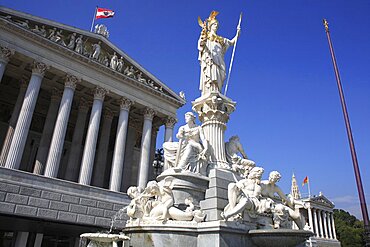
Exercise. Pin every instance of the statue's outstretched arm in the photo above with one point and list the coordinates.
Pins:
(241, 150)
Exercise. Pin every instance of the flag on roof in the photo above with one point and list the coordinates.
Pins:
(305, 181)
(104, 13)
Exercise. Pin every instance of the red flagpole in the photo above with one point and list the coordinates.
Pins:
(360, 189)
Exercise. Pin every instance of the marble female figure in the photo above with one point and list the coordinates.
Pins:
(191, 151)
(79, 45)
(212, 49)
(114, 61)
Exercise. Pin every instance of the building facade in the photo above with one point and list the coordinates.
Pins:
(78, 126)
(319, 218)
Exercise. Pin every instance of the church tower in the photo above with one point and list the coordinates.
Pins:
(294, 189)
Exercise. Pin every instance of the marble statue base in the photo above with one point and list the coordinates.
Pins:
(206, 234)
(186, 184)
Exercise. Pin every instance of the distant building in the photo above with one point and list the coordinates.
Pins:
(319, 217)
(78, 125)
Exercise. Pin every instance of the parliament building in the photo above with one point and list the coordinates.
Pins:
(78, 125)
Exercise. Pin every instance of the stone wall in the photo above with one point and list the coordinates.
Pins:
(28, 195)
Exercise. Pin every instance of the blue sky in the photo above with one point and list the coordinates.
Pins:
(288, 110)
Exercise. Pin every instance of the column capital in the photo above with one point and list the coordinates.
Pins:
(125, 104)
(71, 81)
(39, 68)
(83, 105)
(5, 54)
(149, 113)
(99, 93)
(108, 114)
(56, 94)
(170, 122)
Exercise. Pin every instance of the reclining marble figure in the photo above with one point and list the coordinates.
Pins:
(244, 195)
(156, 203)
(280, 211)
(190, 153)
(258, 197)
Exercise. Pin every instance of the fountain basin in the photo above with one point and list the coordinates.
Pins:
(105, 238)
(279, 237)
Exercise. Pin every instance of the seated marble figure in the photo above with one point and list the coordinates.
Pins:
(190, 153)
(241, 165)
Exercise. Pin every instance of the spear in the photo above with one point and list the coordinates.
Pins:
(232, 56)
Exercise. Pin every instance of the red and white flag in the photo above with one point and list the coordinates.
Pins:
(104, 13)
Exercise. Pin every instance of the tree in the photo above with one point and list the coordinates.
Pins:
(350, 230)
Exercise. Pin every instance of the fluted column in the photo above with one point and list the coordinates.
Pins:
(57, 142)
(330, 230)
(25, 117)
(316, 223)
(320, 224)
(73, 165)
(47, 133)
(145, 148)
(101, 156)
(119, 146)
(310, 218)
(168, 134)
(214, 112)
(92, 136)
(333, 226)
(325, 225)
(5, 54)
(13, 122)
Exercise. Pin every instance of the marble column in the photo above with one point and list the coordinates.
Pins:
(25, 117)
(120, 146)
(333, 226)
(88, 157)
(214, 112)
(57, 142)
(168, 134)
(38, 240)
(21, 239)
(47, 133)
(330, 230)
(145, 148)
(74, 158)
(5, 54)
(325, 225)
(320, 224)
(316, 223)
(102, 152)
(13, 121)
(310, 218)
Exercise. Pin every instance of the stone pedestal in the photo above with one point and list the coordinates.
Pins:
(185, 185)
(206, 234)
(214, 110)
(216, 194)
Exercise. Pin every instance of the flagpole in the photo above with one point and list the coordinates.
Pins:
(93, 21)
(232, 55)
(309, 189)
(360, 189)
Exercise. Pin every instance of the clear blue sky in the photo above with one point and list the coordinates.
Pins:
(288, 110)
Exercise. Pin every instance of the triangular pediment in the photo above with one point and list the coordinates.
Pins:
(68, 37)
(321, 199)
